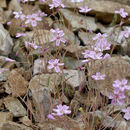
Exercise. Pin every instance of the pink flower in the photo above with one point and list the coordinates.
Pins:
(21, 35)
(19, 15)
(91, 55)
(102, 45)
(99, 36)
(122, 13)
(33, 19)
(9, 60)
(125, 33)
(101, 42)
(41, 14)
(57, 36)
(106, 56)
(77, 1)
(45, 49)
(51, 116)
(55, 64)
(98, 76)
(121, 85)
(25, 0)
(43, 1)
(127, 113)
(88, 53)
(8, 23)
(117, 98)
(56, 3)
(84, 9)
(61, 110)
(31, 44)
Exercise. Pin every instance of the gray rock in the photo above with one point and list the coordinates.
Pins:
(6, 42)
(40, 36)
(3, 3)
(9, 125)
(39, 66)
(45, 80)
(78, 21)
(41, 86)
(17, 83)
(41, 98)
(14, 5)
(2, 16)
(4, 73)
(86, 37)
(14, 106)
(103, 9)
(21, 54)
(6, 116)
(73, 77)
(71, 63)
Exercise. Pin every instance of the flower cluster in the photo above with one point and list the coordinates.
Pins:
(119, 87)
(59, 111)
(57, 36)
(118, 96)
(56, 4)
(31, 44)
(95, 53)
(101, 44)
(32, 19)
(19, 15)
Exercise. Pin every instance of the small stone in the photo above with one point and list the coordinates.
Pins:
(9, 125)
(3, 3)
(4, 73)
(7, 88)
(14, 106)
(6, 116)
(17, 83)
(6, 42)
(123, 125)
(41, 98)
(26, 121)
(6, 64)
(71, 63)
(21, 55)
(2, 104)
(43, 37)
(73, 77)
(39, 66)
(78, 21)
(45, 80)
(14, 5)
(86, 38)
(2, 16)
